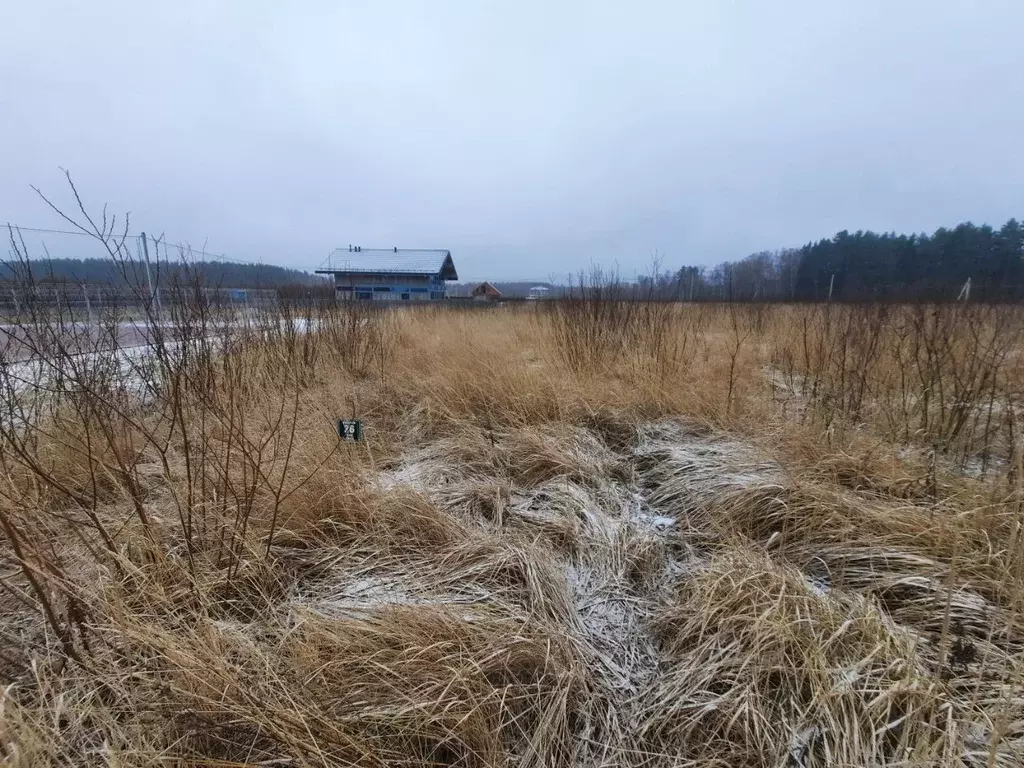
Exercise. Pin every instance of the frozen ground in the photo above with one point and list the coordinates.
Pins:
(127, 361)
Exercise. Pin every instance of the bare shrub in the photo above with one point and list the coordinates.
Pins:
(602, 321)
(938, 375)
(186, 398)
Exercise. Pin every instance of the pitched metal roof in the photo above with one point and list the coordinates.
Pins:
(485, 288)
(398, 261)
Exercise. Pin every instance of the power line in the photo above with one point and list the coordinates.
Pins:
(162, 241)
(188, 249)
(54, 231)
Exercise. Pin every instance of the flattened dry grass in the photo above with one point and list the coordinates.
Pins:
(399, 686)
(763, 669)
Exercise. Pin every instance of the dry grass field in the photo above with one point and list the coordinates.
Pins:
(581, 533)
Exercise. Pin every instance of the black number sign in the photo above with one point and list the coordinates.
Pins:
(350, 429)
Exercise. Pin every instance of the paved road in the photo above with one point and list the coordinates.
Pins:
(23, 343)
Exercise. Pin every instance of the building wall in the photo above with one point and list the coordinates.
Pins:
(385, 287)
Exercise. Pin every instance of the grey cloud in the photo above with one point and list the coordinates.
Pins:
(529, 138)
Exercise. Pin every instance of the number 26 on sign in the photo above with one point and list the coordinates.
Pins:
(350, 430)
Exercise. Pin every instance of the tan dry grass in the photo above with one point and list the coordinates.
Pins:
(653, 559)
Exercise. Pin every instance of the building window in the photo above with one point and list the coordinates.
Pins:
(406, 296)
(365, 296)
(383, 289)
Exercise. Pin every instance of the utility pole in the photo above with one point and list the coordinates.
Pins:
(88, 307)
(154, 295)
(965, 292)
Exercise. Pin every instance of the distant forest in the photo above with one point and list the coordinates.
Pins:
(213, 273)
(858, 266)
(863, 266)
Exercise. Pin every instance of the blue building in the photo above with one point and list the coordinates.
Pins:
(389, 274)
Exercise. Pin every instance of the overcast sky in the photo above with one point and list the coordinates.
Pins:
(528, 137)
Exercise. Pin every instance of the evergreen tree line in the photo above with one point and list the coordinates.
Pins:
(866, 266)
(133, 273)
